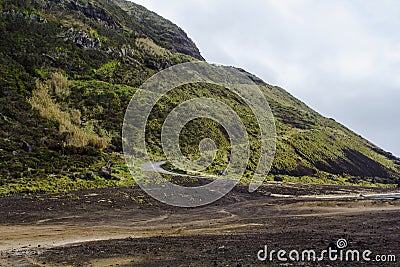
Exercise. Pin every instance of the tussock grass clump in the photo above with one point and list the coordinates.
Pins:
(76, 116)
(60, 85)
(148, 46)
(69, 121)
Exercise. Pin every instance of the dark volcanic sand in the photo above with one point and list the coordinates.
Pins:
(124, 227)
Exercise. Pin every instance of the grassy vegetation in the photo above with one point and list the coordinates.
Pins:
(148, 46)
(75, 178)
(69, 121)
(66, 98)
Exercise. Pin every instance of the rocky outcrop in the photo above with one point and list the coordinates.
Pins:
(126, 51)
(37, 18)
(82, 39)
(30, 16)
(26, 146)
(164, 33)
(105, 172)
(86, 41)
(92, 11)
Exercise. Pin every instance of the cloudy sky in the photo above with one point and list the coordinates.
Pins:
(341, 57)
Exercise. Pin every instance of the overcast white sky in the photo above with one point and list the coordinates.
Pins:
(340, 57)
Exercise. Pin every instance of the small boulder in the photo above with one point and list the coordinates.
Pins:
(26, 146)
(115, 178)
(110, 164)
(89, 176)
(105, 172)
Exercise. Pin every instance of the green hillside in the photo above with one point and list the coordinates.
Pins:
(68, 69)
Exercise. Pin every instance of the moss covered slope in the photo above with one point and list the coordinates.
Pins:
(68, 69)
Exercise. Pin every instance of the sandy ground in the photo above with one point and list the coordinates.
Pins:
(124, 227)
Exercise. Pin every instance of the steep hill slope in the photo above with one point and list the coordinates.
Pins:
(68, 69)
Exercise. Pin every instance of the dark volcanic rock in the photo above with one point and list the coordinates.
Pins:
(356, 164)
(26, 146)
(82, 39)
(105, 172)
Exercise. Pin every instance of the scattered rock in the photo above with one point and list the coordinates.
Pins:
(110, 149)
(93, 12)
(17, 14)
(82, 39)
(37, 18)
(89, 176)
(26, 146)
(56, 146)
(110, 164)
(115, 178)
(76, 176)
(105, 172)
(126, 51)
(53, 59)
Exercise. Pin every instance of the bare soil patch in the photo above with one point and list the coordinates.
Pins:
(125, 227)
